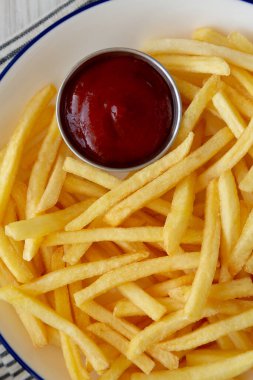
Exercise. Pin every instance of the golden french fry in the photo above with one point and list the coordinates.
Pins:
(118, 341)
(229, 159)
(76, 185)
(29, 304)
(222, 369)
(187, 90)
(190, 47)
(135, 182)
(205, 356)
(19, 195)
(170, 178)
(70, 351)
(249, 265)
(152, 307)
(136, 271)
(56, 279)
(178, 218)
(211, 332)
(211, 36)
(230, 219)
(240, 42)
(55, 183)
(81, 169)
(42, 225)
(131, 234)
(197, 106)
(243, 248)
(198, 64)
(12, 156)
(229, 113)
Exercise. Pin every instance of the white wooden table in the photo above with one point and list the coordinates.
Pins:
(16, 15)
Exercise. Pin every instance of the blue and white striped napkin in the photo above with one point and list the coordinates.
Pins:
(10, 369)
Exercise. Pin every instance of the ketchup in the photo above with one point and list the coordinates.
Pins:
(116, 109)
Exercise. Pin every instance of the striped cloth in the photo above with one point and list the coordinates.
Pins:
(10, 369)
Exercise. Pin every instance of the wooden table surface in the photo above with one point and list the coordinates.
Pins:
(16, 15)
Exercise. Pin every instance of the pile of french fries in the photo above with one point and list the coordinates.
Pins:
(147, 277)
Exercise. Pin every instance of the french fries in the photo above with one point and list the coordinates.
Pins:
(208, 256)
(147, 276)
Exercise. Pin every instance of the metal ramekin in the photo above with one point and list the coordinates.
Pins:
(176, 100)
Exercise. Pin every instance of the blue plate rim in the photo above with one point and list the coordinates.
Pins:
(3, 73)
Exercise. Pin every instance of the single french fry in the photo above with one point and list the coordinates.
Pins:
(190, 47)
(38, 180)
(152, 307)
(229, 159)
(212, 36)
(243, 248)
(75, 185)
(131, 234)
(230, 218)
(70, 351)
(205, 356)
(55, 183)
(181, 210)
(42, 225)
(14, 262)
(136, 271)
(229, 113)
(19, 195)
(34, 327)
(56, 279)
(110, 336)
(13, 153)
(240, 42)
(29, 304)
(135, 182)
(211, 332)
(198, 64)
(81, 169)
(197, 106)
(170, 178)
(222, 369)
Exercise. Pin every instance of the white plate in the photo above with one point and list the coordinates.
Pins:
(107, 24)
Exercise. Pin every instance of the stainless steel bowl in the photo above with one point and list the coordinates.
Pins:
(176, 100)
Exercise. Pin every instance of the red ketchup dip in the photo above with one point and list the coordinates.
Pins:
(117, 110)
